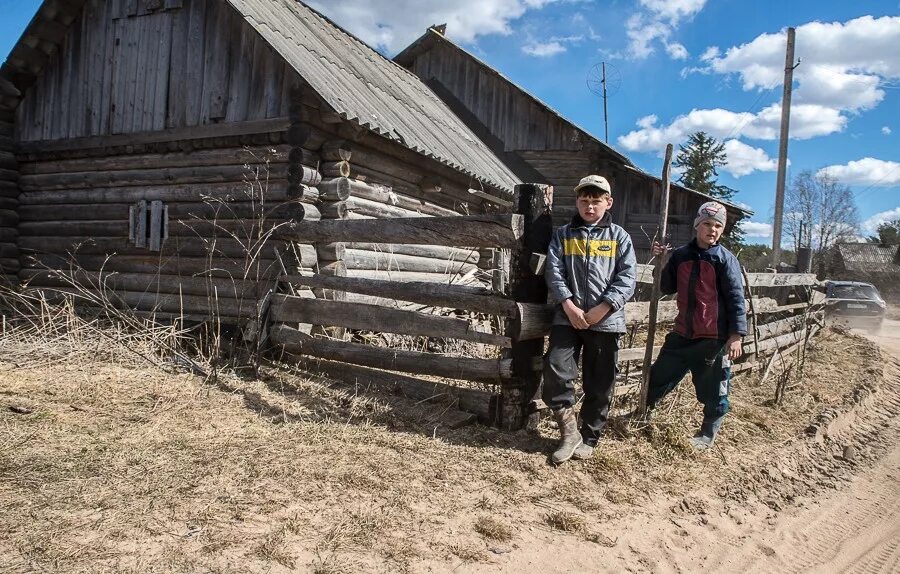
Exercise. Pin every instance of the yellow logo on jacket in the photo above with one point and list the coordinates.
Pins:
(590, 247)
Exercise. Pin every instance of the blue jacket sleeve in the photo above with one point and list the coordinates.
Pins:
(668, 281)
(555, 273)
(731, 286)
(621, 285)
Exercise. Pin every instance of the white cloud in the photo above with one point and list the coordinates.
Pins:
(658, 21)
(866, 171)
(744, 159)
(710, 53)
(843, 64)
(543, 50)
(886, 130)
(871, 224)
(677, 51)
(757, 229)
(744, 206)
(391, 25)
(807, 121)
(673, 10)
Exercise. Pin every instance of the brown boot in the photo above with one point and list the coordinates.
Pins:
(570, 437)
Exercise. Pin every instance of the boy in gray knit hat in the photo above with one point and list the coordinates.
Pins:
(711, 322)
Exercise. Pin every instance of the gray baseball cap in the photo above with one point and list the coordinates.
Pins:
(597, 181)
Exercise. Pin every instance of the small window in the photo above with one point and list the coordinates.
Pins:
(148, 224)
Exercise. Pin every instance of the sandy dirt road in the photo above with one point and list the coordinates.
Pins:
(856, 529)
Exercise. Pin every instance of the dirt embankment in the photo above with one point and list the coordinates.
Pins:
(108, 465)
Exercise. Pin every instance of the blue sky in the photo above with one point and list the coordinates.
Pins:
(681, 66)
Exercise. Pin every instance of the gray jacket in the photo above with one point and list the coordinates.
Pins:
(592, 265)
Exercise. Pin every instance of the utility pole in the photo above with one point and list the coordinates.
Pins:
(605, 115)
(782, 148)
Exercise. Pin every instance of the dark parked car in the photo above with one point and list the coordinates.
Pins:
(854, 303)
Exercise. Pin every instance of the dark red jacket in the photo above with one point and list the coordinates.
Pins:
(710, 292)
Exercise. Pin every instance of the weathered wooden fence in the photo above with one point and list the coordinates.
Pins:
(507, 324)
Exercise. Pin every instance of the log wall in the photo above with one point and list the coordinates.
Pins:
(170, 65)
(224, 200)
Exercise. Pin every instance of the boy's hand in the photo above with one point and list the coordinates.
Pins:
(659, 249)
(596, 314)
(734, 346)
(575, 315)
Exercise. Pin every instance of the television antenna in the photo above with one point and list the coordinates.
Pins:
(604, 80)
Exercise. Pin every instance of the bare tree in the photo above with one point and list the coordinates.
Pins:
(819, 212)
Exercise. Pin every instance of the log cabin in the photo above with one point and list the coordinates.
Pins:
(541, 146)
(155, 147)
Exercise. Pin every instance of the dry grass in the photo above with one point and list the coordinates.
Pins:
(126, 463)
(565, 521)
(493, 529)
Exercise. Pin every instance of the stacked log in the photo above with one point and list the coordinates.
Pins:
(9, 203)
(224, 206)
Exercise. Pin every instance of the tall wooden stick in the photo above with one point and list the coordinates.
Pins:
(657, 273)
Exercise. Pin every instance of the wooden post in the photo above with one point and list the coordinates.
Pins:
(657, 273)
(752, 311)
(535, 203)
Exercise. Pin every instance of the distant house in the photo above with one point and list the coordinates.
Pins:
(540, 145)
(869, 262)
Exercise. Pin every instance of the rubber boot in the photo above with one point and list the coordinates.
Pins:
(570, 438)
(706, 436)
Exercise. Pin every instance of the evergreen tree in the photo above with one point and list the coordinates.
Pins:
(888, 233)
(699, 160)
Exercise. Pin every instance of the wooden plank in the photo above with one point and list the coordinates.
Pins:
(148, 283)
(288, 309)
(118, 88)
(161, 80)
(196, 58)
(156, 225)
(237, 249)
(782, 279)
(485, 370)
(140, 230)
(235, 156)
(191, 193)
(203, 210)
(240, 84)
(174, 134)
(141, 177)
(135, 34)
(361, 259)
(448, 296)
(152, 263)
(177, 81)
(471, 231)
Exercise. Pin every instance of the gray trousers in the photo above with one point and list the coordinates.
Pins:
(599, 353)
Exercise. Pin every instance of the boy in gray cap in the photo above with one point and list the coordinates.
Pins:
(591, 272)
(710, 325)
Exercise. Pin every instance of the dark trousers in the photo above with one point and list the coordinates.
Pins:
(599, 351)
(708, 364)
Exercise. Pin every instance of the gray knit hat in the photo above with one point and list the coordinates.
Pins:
(710, 210)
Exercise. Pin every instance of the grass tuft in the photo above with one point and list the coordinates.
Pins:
(493, 529)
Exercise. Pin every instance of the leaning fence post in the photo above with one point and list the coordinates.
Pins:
(657, 272)
(535, 203)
